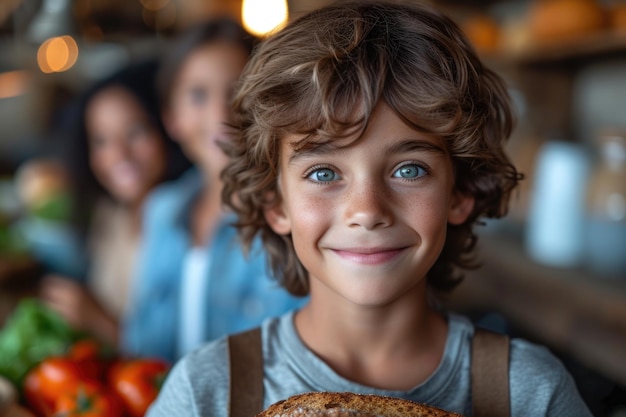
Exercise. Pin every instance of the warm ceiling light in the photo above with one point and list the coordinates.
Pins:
(57, 54)
(261, 17)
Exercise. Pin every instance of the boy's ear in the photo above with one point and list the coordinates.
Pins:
(460, 208)
(277, 217)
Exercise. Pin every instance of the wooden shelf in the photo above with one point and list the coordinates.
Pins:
(570, 311)
(606, 43)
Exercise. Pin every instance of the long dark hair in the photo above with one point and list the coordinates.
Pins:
(139, 79)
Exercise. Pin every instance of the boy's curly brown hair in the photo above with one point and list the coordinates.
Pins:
(321, 77)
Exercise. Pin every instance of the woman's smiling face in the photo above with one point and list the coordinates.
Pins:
(126, 150)
(369, 220)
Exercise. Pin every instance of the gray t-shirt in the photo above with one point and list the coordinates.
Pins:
(198, 383)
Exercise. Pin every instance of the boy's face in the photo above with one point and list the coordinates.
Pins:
(368, 221)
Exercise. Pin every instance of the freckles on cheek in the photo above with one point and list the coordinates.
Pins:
(430, 214)
(309, 212)
(436, 223)
(308, 218)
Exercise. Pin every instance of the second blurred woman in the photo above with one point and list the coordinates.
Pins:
(194, 283)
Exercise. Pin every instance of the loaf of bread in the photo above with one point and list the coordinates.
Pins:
(345, 404)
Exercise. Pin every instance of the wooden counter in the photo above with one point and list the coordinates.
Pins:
(570, 311)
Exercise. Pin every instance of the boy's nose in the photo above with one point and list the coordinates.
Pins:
(368, 207)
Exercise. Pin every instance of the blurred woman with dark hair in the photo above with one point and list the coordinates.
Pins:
(118, 152)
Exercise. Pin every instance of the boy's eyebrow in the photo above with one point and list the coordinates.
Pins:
(408, 145)
(412, 145)
(319, 149)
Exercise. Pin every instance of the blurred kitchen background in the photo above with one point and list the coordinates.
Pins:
(554, 270)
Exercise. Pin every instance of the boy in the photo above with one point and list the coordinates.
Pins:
(371, 142)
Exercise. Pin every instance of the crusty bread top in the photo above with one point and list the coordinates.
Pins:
(346, 404)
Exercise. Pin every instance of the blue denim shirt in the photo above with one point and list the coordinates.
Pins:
(240, 293)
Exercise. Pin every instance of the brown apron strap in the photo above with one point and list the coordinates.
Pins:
(490, 374)
(246, 373)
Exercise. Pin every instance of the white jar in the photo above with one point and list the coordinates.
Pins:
(556, 220)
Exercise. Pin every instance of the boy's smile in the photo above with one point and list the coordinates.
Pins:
(369, 255)
(368, 220)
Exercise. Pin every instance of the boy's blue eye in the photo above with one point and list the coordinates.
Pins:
(409, 171)
(323, 175)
